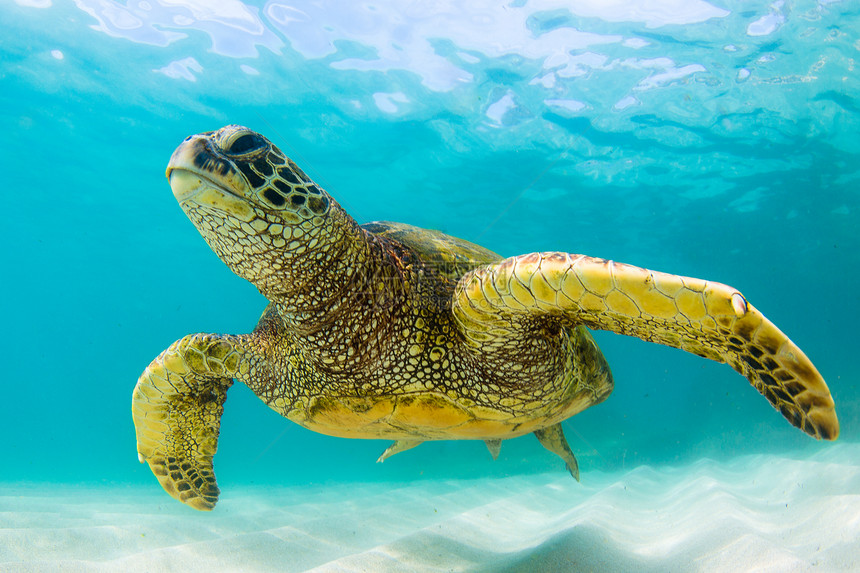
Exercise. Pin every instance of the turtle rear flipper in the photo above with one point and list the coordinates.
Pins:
(397, 447)
(177, 406)
(708, 319)
(552, 438)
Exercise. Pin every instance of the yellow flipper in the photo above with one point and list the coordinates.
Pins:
(708, 319)
(177, 406)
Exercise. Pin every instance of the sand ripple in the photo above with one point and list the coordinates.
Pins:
(762, 513)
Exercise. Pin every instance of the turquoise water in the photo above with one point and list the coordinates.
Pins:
(717, 140)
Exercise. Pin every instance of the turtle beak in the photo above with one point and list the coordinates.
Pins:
(184, 183)
(184, 156)
(197, 163)
(182, 168)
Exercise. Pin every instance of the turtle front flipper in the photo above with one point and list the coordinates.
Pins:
(177, 406)
(708, 319)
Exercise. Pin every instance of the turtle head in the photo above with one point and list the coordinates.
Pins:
(257, 210)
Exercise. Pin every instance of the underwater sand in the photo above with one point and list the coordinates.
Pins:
(755, 513)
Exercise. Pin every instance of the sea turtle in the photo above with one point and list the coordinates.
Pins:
(386, 330)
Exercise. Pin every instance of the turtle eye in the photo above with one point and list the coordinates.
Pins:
(244, 144)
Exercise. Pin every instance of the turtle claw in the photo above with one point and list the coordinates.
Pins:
(494, 446)
(396, 448)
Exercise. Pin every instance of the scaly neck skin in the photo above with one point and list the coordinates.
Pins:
(342, 298)
(273, 226)
(325, 268)
(336, 287)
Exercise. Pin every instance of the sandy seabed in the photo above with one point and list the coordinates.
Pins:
(755, 513)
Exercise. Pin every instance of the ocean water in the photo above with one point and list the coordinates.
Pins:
(718, 140)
